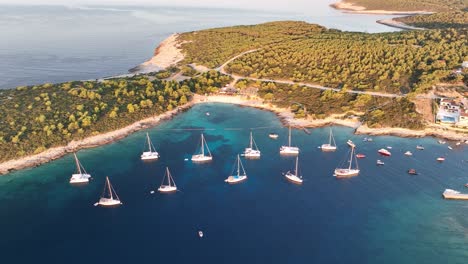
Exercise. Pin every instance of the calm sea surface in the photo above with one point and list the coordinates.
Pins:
(382, 216)
(41, 44)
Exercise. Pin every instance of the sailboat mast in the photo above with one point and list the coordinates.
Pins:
(238, 165)
(109, 186)
(251, 139)
(202, 145)
(168, 176)
(149, 141)
(329, 139)
(297, 160)
(289, 138)
(351, 158)
(78, 165)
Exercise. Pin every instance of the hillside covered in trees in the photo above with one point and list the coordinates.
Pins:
(38, 117)
(398, 62)
(411, 5)
(454, 19)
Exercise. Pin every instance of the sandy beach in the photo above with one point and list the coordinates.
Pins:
(397, 24)
(167, 54)
(348, 7)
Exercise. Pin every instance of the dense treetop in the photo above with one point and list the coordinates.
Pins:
(398, 62)
(454, 19)
(412, 5)
(38, 117)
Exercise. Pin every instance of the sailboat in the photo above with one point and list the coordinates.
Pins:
(201, 157)
(329, 146)
(81, 176)
(294, 177)
(348, 172)
(151, 154)
(170, 186)
(252, 151)
(109, 197)
(288, 150)
(239, 176)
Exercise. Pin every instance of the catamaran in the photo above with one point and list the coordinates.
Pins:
(288, 150)
(81, 176)
(201, 157)
(170, 186)
(294, 177)
(329, 146)
(109, 197)
(252, 151)
(240, 176)
(151, 154)
(348, 172)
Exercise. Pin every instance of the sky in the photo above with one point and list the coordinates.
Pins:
(289, 5)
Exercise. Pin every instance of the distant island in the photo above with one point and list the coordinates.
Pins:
(384, 83)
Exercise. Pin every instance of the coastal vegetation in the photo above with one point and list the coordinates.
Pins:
(304, 101)
(454, 19)
(39, 117)
(411, 5)
(398, 62)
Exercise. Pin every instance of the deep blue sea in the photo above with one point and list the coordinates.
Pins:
(382, 216)
(40, 44)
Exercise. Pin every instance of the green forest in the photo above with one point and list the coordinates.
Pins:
(374, 111)
(454, 19)
(412, 5)
(398, 62)
(38, 117)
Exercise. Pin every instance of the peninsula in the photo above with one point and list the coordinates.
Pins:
(308, 74)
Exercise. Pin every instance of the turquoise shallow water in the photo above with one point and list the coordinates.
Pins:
(382, 216)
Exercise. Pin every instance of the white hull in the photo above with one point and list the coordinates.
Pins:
(293, 178)
(252, 153)
(167, 189)
(328, 147)
(108, 202)
(452, 194)
(286, 150)
(350, 143)
(273, 136)
(149, 155)
(236, 179)
(342, 173)
(201, 158)
(80, 178)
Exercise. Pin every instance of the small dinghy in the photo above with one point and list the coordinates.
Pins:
(360, 156)
(408, 153)
(419, 147)
(200, 233)
(412, 172)
(379, 162)
(440, 159)
(273, 135)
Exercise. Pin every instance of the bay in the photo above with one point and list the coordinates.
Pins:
(382, 216)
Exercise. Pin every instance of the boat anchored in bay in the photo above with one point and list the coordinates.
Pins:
(252, 151)
(240, 176)
(151, 154)
(109, 197)
(81, 176)
(288, 150)
(294, 177)
(350, 171)
(331, 146)
(201, 157)
(170, 186)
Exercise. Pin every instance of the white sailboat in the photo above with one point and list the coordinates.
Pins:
(288, 150)
(201, 157)
(81, 176)
(252, 151)
(240, 176)
(329, 147)
(109, 197)
(348, 172)
(151, 154)
(170, 186)
(294, 177)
